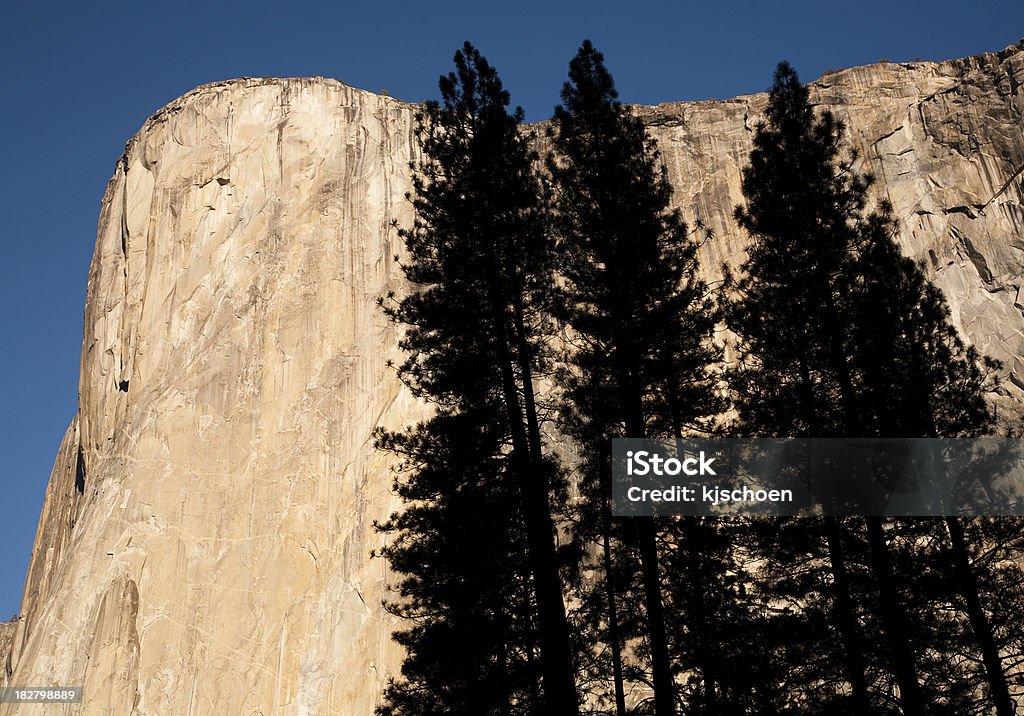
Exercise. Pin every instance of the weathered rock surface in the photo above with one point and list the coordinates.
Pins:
(7, 636)
(204, 544)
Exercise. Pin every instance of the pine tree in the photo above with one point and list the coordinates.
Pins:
(917, 378)
(475, 543)
(803, 214)
(841, 335)
(641, 320)
(464, 588)
(920, 380)
(786, 311)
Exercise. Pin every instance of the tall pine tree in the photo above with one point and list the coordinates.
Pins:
(841, 335)
(641, 321)
(475, 543)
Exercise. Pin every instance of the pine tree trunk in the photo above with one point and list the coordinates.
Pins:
(901, 656)
(614, 638)
(700, 620)
(531, 645)
(614, 635)
(844, 614)
(562, 653)
(845, 618)
(664, 686)
(892, 612)
(632, 399)
(556, 658)
(706, 650)
(967, 585)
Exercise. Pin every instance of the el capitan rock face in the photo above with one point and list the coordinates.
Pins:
(215, 549)
(204, 544)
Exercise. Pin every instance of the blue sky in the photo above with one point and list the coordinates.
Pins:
(81, 78)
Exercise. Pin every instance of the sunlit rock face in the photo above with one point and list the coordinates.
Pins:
(7, 636)
(204, 545)
(214, 555)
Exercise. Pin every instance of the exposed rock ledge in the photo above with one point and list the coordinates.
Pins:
(204, 541)
(6, 639)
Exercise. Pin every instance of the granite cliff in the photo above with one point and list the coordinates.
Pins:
(204, 543)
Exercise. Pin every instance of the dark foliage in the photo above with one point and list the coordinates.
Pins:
(474, 545)
(640, 322)
(839, 334)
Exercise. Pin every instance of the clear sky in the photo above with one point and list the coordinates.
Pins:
(81, 78)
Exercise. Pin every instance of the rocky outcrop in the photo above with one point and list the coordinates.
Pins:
(6, 639)
(204, 544)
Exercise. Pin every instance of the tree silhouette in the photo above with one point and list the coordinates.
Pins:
(477, 526)
(640, 320)
(792, 377)
(839, 334)
(920, 380)
(464, 588)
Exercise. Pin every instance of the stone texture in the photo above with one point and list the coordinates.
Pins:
(204, 543)
(6, 639)
(214, 555)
